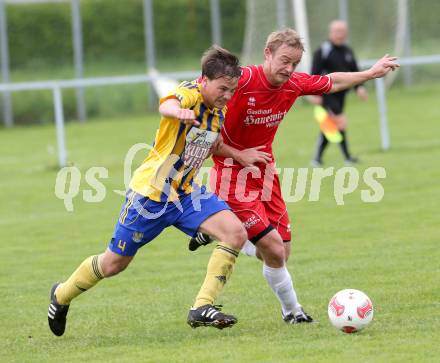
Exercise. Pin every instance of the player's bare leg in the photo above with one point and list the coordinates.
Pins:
(287, 247)
(112, 263)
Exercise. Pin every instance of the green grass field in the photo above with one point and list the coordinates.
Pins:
(387, 249)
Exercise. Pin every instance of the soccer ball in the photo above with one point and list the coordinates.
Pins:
(350, 310)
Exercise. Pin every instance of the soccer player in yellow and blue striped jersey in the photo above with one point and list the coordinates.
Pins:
(163, 193)
(179, 149)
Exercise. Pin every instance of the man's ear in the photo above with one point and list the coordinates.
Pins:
(203, 81)
(267, 53)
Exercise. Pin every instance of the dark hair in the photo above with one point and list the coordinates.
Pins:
(218, 62)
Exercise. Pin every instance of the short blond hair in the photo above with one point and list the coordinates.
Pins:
(286, 36)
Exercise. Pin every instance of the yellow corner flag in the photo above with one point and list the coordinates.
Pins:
(327, 125)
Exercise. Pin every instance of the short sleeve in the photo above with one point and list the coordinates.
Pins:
(245, 77)
(187, 93)
(311, 84)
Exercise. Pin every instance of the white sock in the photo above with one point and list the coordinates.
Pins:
(280, 281)
(249, 249)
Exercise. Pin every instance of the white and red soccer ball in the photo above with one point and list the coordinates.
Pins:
(350, 310)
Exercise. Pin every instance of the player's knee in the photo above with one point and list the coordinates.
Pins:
(113, 268)
(272, 249)
(237, 236)
(277, 252)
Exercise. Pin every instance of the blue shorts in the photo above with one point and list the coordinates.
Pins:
(142, 219)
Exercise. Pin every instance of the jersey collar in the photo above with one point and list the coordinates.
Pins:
(264, 79)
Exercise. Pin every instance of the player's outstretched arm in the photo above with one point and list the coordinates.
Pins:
(172, 108)
(345, 80)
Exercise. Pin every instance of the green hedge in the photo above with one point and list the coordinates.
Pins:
(40, 46)
(40, 34)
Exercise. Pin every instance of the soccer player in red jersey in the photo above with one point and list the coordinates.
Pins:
(244, 171)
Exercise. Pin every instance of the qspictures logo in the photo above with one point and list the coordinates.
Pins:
(297, 184)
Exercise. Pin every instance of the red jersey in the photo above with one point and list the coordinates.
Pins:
(257, 107)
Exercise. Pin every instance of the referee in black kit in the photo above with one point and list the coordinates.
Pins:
(335, 56)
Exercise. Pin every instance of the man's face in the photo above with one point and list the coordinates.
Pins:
(217, 92)
(338, 32)
(280, 64)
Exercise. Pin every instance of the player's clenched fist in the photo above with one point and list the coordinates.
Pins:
(187, 116)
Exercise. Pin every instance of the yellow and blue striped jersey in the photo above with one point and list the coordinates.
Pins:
(179, 150)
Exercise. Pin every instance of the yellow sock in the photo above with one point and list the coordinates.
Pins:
(219, 270)
(87, 275)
